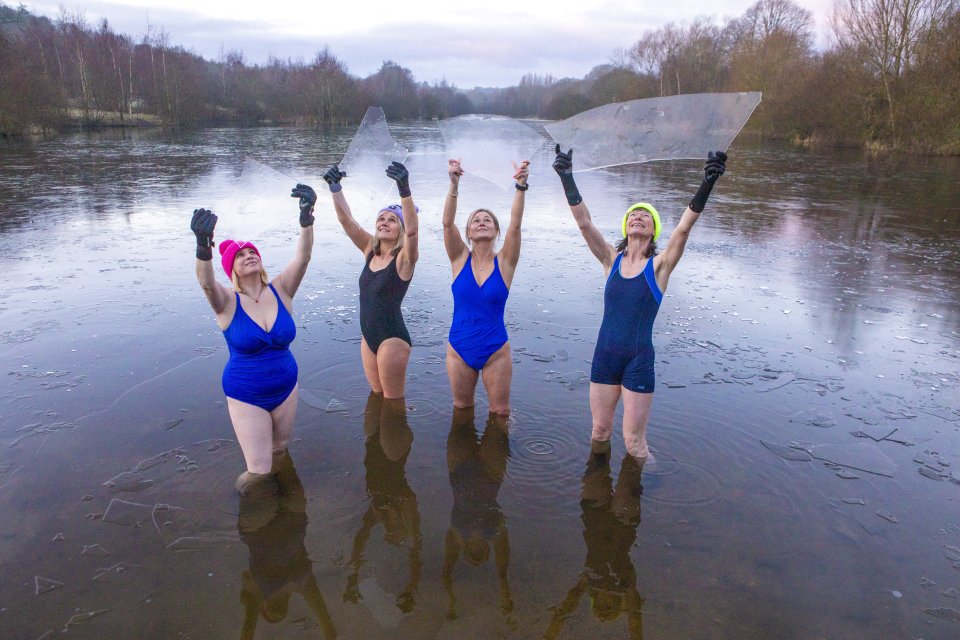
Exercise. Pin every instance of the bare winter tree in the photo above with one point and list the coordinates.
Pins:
(887, 34)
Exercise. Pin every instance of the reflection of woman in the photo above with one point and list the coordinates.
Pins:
(610, 518)
(481, 282)
(392, 502)
(391, 254)
(260, 379)
(476, 467)
(636, 276)
(273, 528)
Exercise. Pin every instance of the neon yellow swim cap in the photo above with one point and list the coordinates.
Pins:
(653, 214)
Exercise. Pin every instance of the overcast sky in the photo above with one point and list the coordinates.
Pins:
(480, 43)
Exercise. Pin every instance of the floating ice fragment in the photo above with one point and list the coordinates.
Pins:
(786, 452)
(944, 612)
(94, 550)
(80, 618)
(927, 472)
(45, 585)
(889, 517)
(860, 456)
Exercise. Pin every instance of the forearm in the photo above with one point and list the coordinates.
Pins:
(411, 219)
(516, 211)
(450, 207)
(304, 246)
(344, 215)
(205, 275)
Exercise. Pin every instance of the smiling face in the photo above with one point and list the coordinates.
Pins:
(640, 222)
(246, 261)
(482, 225)
(388, 226)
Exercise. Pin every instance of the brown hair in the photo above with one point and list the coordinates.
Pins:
(466, 228)
(651, 248)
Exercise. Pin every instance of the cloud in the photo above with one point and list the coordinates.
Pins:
(492, 43)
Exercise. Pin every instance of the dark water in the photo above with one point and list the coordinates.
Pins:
(807, 420)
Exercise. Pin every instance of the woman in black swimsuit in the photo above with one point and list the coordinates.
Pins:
(391, 254)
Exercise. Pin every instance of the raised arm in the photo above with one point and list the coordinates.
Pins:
(452, 240)
(603, 250)
(407, 258)
(202, 224)
(510, 253)
(360, 237)
(666, 262)
(292, 275)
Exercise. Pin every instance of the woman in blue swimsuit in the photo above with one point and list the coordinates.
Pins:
(481, 282)
(260, 379)
(636, 275)
(391, 254)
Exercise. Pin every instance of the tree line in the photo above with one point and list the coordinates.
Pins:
(890, 78)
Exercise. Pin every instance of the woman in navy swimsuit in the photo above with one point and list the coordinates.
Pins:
(391, 254)
(636, 275)
(481, 282)
(260, 379)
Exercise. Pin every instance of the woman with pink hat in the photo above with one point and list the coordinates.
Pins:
(260, 379)
(391, 254)
(636, 276)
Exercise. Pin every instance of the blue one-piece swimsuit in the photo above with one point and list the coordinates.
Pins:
(478, 331)
(624, 354)
(261, 370)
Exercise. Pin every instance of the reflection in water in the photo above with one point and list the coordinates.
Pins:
(477, 466)
(610, 519)
(393, 503)
(273, 527)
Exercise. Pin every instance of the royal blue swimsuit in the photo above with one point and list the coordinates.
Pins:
(261, 370)
(478, 331)
(624, 353)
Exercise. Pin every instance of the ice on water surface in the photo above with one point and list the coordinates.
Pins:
(487, 145)
(667, 128)
(366, 160)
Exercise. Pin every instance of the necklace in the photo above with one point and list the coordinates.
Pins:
(257, 299)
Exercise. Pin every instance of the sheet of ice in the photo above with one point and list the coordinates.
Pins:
(371, 151)
(258, 200)
(487, 145)
(860, 456)
(667, 128)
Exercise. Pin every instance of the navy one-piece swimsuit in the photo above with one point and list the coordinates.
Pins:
(261, 370)
(381, 293)
(624, 354)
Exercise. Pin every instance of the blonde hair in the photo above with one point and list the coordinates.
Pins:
(264, 278)
(376, 240)
(466, 229)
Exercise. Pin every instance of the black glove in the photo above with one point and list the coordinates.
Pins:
(398, 172)
(202, 225)
(333, 176)
(308, 198)
(563, 165)
(713, 169)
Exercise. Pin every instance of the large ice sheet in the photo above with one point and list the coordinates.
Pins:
(370, 153)
(258, 200)
(487, 145)
(668, 128)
